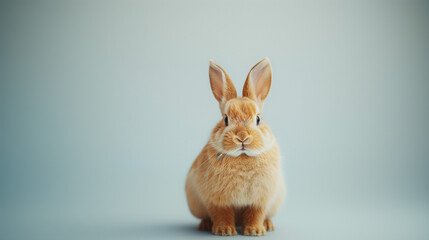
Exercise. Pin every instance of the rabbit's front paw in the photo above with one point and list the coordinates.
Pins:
(254, 230)
(224, 230)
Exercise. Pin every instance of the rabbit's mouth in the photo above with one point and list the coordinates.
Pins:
(243, 147)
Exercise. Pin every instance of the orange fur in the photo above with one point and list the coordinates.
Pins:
(236, 179)
(223, 220)
(253, 221)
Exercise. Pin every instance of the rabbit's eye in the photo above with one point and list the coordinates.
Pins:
(258, 119)
(226, 120)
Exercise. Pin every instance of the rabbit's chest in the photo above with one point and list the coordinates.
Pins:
(241, 186)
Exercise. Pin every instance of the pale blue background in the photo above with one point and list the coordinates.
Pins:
(105, 104)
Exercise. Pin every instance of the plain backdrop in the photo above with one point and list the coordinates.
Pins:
(105, 104)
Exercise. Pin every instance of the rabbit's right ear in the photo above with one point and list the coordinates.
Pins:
(222, 86)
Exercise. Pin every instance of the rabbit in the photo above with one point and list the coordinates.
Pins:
(237, 179)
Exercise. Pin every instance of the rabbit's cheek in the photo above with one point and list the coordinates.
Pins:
(257, 143)
(228, 143)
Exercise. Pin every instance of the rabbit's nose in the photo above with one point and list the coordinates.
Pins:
(242, 137)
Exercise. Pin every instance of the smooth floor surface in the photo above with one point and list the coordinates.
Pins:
(365, 222)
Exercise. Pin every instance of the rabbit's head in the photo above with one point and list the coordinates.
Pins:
(242, 129)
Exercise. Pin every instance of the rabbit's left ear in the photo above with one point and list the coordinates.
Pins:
(258, 82)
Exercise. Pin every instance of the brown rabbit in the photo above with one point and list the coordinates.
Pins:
(237, 177)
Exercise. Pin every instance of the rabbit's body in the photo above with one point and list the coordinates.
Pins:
(235, 181)
(237, 178)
